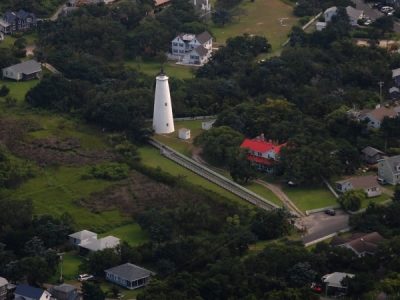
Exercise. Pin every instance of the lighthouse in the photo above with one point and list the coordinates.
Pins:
(163, 120)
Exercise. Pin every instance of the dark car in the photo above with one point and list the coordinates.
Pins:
(330, 212)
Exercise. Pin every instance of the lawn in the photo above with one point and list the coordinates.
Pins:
(126, 294)
(70, 264)
(183, 146)
(264, 192)
(131, 233)
(261, 17)
(19, 89)
(310, 198)
(378, 200)
(58, 190)
(152, 158)
(152, 68)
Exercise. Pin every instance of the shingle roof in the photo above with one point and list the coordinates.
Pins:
(3, 281)
(130, 272)
(353, 13)
(259, 145)
(371, 151)
(335, 279)
(26, 67)
(203, 37)
(101, 244)
(201, 51)
(28, 291)
(66, 288)
(394, 89)
(83, 235)
(382, 112)
(395, 72)
(367, 243)
(361, 182)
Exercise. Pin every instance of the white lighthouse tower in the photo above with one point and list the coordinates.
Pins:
(163, 120)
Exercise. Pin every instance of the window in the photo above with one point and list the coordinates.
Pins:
(175, 51)
(181, 44)
(165, 104)
(181, 51)
(175, 44)
(167, 124)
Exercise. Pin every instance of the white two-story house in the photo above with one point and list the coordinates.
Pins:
(192, 49)
(389, 169)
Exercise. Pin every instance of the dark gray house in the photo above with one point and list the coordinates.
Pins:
(17, 21)
(371, 155)
(65, 292)
(129, 276)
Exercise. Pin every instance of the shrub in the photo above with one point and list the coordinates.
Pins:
(4, 90)
(110, 171)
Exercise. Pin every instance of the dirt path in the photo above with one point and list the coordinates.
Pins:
(277, 190)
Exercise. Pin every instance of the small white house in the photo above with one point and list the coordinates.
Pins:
(192, 49)
(129, 276)
(389, 169)
(26, 70)
(184, 134)
(368, 184)
(82, 237)
(320, 26)
(207, 125)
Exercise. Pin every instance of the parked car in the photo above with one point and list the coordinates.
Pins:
(386, 9)
(85, 277)
(367, 22)
(316, 288)
(381, 181)
(330, 212)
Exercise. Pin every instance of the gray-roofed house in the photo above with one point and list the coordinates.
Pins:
(371, 155)
(360, 243)
(27, 292)
(99, 244)
(335, 284)
(65, 292)
(389, 169)
(368, 184)
(396, 76)
(83, 236)
(129, 276)
(26, 70)
(354, 14)
(192, 49)
(17, 21)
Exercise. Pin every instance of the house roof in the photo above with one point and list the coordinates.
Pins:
(65, 288)
(22, 14)
(203, 37)
(335, 279)
(129, 272)
(382, 112)
(184, 130)
(331, 9)
(261, 145)
(3, 281)
(201, 51)
(354, 13)
(26, 67)
(28, 291)
(101, 244)
(361, 182)
(395, 72)
(394, 89)
(371, 151)
(83, 235)
(161, 2)
(367, 243)
(4, 23)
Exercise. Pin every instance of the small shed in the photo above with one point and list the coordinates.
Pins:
(320, 26)
(207, 125)
(394, 93)
(184, 134)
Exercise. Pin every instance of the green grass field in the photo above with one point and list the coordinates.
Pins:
(261, 17)
(70, 264)
(310, 198)
(264, 192)
(378, 200)
(152, 68)
(19, 89)
(152, 158)
(131, 233)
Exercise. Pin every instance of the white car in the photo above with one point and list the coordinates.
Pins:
(85, 277)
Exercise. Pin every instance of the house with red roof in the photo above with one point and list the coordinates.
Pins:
(262, 153)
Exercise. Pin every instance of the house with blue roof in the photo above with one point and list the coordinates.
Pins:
(27, 292)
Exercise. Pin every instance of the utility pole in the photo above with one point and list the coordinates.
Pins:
(61, 266)
(380, 91)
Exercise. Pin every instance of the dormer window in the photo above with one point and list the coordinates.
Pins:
(398, 168)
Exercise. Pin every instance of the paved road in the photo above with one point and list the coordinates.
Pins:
(373, 13)
(320, 224)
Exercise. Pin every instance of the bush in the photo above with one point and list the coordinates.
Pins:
(110, 171)
(4, 90)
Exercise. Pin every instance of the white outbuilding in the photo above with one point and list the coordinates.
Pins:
(184, 134)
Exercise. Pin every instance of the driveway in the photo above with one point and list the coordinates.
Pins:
(319, 225)
(373, 13)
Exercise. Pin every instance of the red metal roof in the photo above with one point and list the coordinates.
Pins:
(258, 145)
